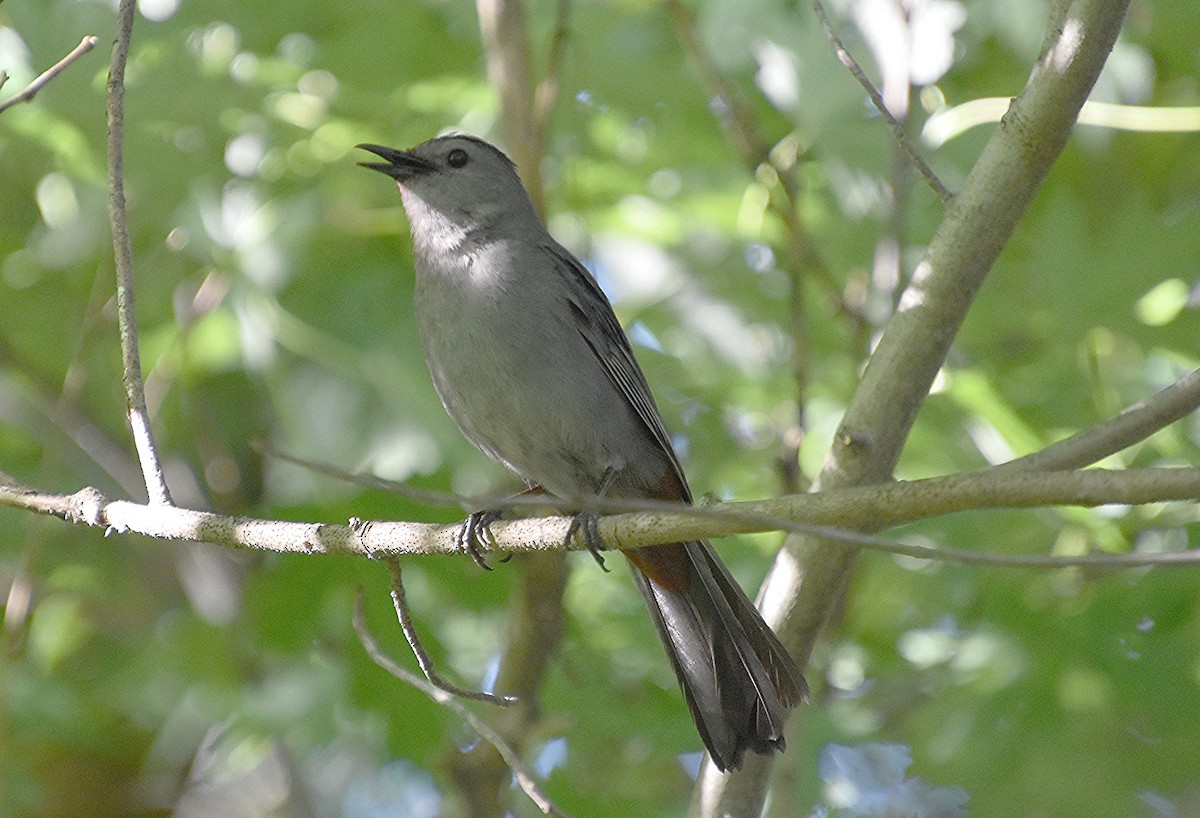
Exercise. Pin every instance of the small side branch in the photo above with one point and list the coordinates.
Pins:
(801, 263)
(1131, 426)
(135, 395)
(39, 82)
(522, 774)
(906, 145)
(424, 660)
(750, 144)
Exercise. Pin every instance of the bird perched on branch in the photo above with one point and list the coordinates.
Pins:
(530, 362)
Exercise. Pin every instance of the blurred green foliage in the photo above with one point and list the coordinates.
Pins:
(274, 281)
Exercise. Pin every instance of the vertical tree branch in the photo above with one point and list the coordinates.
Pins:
(799, 262)
(751, 146)
(809, 578)
(135, 396)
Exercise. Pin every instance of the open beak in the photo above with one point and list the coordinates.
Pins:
(400, 165)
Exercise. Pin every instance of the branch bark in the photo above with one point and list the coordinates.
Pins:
(1131, 426)
(506, 45)
(808, 579)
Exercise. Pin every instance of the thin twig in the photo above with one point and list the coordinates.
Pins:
(135, 394)
(39, 82)
(842, 537)
(1107, 562)
(522, 774)
(62, 410)
(433, 497)
(898, 131)
(424, 660)
(1131, 426)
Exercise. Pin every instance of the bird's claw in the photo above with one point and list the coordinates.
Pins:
(587, 525)
(475, 532)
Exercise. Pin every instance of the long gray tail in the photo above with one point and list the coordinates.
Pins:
(738, 680)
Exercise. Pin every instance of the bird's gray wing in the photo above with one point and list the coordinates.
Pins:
(602, 332)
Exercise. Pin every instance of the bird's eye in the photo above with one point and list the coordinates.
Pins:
(457, 158)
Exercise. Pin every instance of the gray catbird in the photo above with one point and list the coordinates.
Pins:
(530, 362)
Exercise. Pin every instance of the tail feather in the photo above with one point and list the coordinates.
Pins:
(737, 679)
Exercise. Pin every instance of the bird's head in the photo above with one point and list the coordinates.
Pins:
(456, 184)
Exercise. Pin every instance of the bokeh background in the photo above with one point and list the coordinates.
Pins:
(273, 285)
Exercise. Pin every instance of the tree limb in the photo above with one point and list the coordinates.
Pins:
(808, 579)
(638, 523)
(135, 394)
(545, 96)
(506, 46)
(1131, 426)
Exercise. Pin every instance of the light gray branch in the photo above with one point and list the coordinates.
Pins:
(834, 514)
(506, 45)
(135, 396)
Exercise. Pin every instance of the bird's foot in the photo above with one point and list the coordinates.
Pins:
(475, 534)
(587, 525)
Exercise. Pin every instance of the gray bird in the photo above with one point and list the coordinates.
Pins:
(530, 362)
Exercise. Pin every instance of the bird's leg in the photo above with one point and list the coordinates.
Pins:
(587, 523)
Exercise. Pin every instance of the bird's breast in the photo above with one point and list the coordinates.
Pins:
(519, 380)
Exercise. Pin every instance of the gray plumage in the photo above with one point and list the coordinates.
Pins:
(530, 362)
